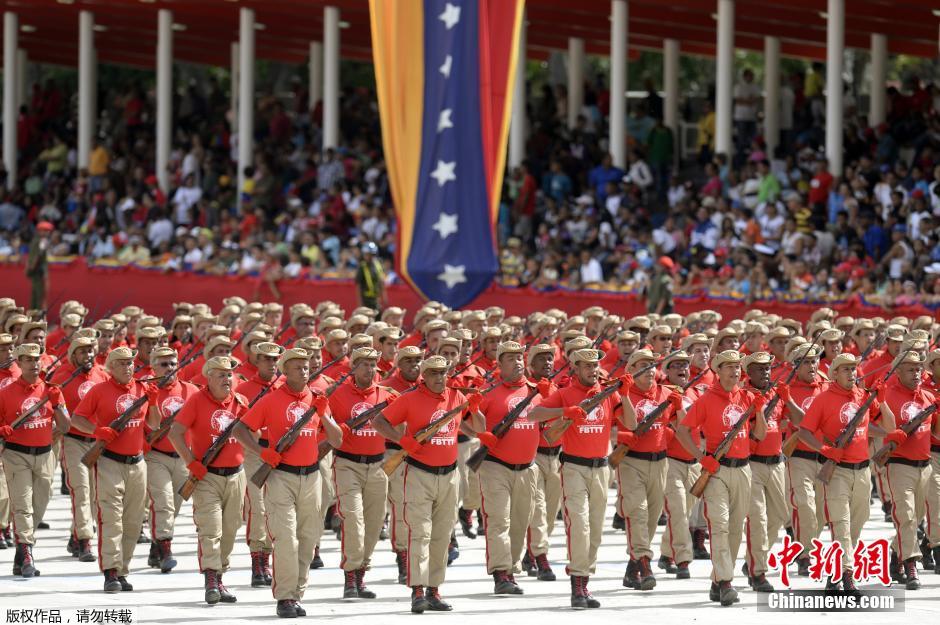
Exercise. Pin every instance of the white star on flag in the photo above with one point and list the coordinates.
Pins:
(445, 68)
(450, 16)
(443, 120)
(446, 225)
(453, 275)
(444, 172)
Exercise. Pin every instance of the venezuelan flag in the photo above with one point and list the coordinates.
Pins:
(444, 71)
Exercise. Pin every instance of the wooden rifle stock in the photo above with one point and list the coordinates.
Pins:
(881, 456)
(501, 429)
(23, 418)
(186, 490)
(360, 420)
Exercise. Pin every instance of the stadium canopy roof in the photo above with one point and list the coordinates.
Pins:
(126, 30)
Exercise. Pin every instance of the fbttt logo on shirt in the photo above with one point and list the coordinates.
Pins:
(294, 412)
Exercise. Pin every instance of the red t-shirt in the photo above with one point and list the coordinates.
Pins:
(170, 399)
(704, 382)
(193, 369)
(397, 383)
(879, 361)
(613, 364)
(206, 417)
(75, 392)
(675, 449)
(421, 408)
(321, 383)
(905, 404)
(412, 339)
(831, 411)
(543, 426)
(384, 366)
(277, 412)
(716, 413)
(644, 402)
(349, 401)
(819, 187)
(773, 441)
(803, 394)
(521, 440)
(18, 398)
(9, 374)
(590, 439)
(108, 400)
(780, 371)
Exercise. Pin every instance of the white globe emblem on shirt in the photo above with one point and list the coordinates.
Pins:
(28, 405)
(359, 408)
(171, 404)
(847, 411)
(807, 403)
(686, 403)
(909, 410)
(448, 427)
(515, 401)
(296, 410)
(5, 382)
(84, 387)
(644, 407)
(220, 420)
(124, 402)
(595, 415)
(731, 415)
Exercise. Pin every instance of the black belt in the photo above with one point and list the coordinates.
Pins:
(775, 459)
(429, 469)
(463, 438)
(514, 467)
(360, 459)
(683, 460)
(224, 471)
(652, 456)
(805, 455)
(391, 445)
(935, 448)
(25, 449)
(733, 462)
(122, 458)
(171, 454)
(549, 451)
(263, 442)
(592, 463)
(911, 463)
(79, 437)
(853, 465)
(295, 470)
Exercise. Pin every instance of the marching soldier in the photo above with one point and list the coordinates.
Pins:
(263, 357)
(292, 492)
(120, 473)
(727, 496)
(147, 339)
(388, 340)
(75, 444)
(27, 459)
(360, 484)
(932, 497)
(166, 471)
(220, 490)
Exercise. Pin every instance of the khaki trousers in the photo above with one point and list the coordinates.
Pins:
(546, 502)
(469, 480)
(4, 499)
(584, 497)
(506, 500)
(847, 507)
(165, 476)
(676, 541)
(396, 502)
(217, 513)
(256, 534)
(768, 513)
(640, 486)
(907, 486)
(430, 513)
(726, 503)
(931, 503)
(806, 501)
(29, 481)
(294, 521)
(121, 491)
(81, 487)
(327, 494)
(361, 494)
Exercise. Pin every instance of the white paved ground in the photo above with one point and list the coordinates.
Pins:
(178, 597)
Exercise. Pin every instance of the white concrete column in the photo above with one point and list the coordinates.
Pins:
(86, 85)
(315, 82)
(164, 95)
(517, 126)
(619, 34)
(22, 77)
(724, 90)
(835, 43)
(879, 61)
(246, 93)
(11, 31)
(330, 77)
(234, 60)
(671, 84)
(771, 93)
(575, 79)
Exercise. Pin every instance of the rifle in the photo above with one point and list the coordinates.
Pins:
(882, 455)
(189, 357)
(281, 332)
(699, 487)
(261, 475)
(360, 420)
(53, 366)
(427, 432)
(825, 473)
(647, 423)
(264, 391)
(871, 346)
(23, 418)
(553, 433)
(501, 429)
(186, 490)
(119, 423)
(325, 367)
(6, 364)
(467, 366)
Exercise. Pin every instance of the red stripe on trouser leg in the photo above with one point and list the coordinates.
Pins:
(267, 528)
(564, 504)
(338, 510)
(68, 482)
(747, 541)
(711, 551)
(794, 511)
(98, 508)
(404, 504)
(246, 517)
(486, 538)
(894, 514)
(669, 529)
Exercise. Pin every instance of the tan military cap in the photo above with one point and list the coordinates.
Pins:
(931, 356)
(299, 313)
(218, 341)
(200, 319)
(132, 311)
(29, 326)
(641, 355)
(757, 358)
(804, 351)
(453, 342)
(913, 357)
(360, 340)
(539, 348)
(426, 312)
(365, 311)
(253, 307)
(755, 327)
(463, 334)
(408, 352)
(162, 351)
(843, 360)
(436, 363)
(31, 350)
(659, 330)
(391, 333)
(85, 333)
(863, 324)
(310, 343)
(900, 321)
(436, 324)
(105, 325)
(149, 332)
(673, 320)
(375, 327)
(357, 320)
(793, 343)
(778, 333)
(628, 335)
(294, 353)
(120, 353)
(896, 332)
(71, 320)
(729, 356)
(639, 322)
(922, 322)
(327, 303)
(578, 342)
(336, 335)
(392, 311)
(15, 320)
(737, 325)
(509, 347)
(363, 353)
(753, 314)
(677, 356)
(585, 355)
(220, 363)
(726, 332)
(822, 313)
(235, 301)
(831, 335)
(493, 311)
(695, 339)
(491, 333)
(267, 348)
(331, 323)
(6, 339)
(844, 322)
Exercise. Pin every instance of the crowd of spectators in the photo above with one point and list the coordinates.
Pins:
(755, 226)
